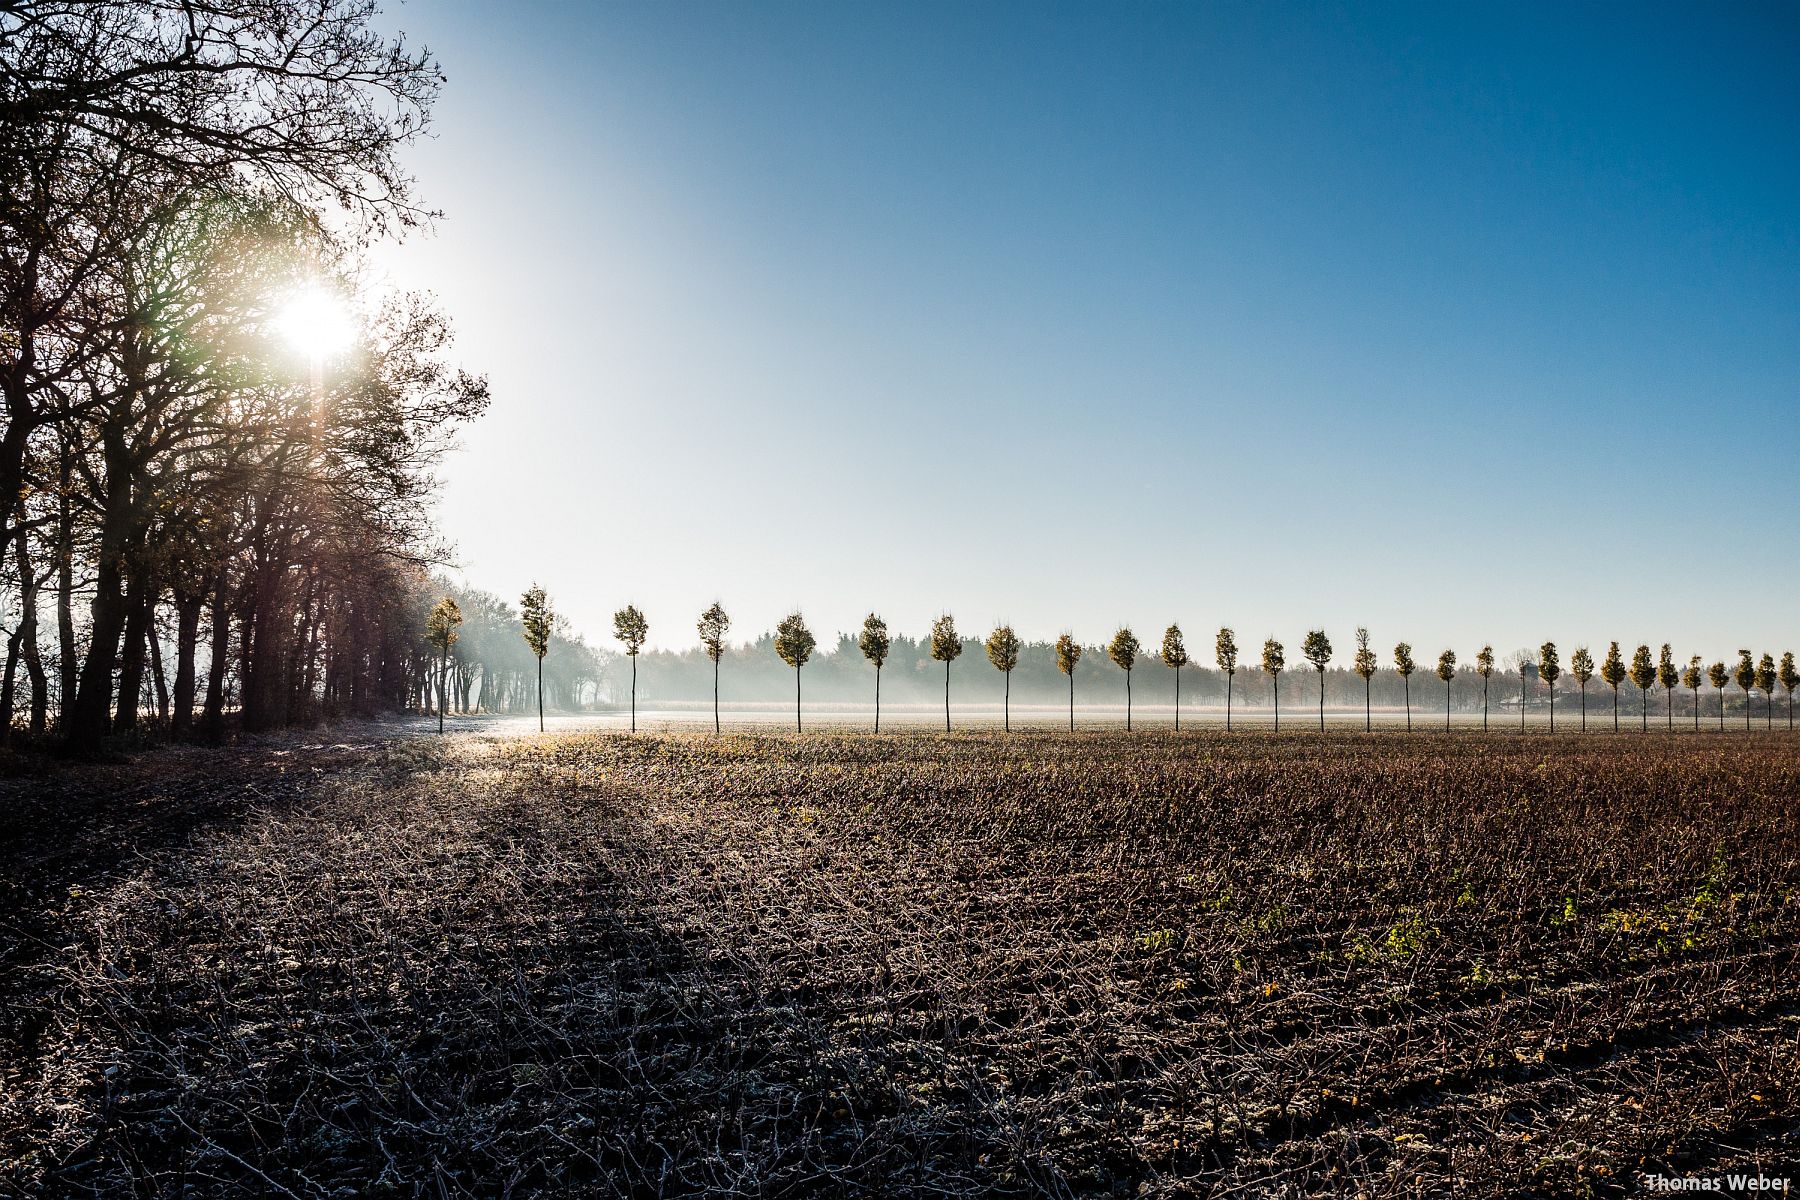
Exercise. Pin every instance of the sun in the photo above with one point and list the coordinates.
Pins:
(316, 322)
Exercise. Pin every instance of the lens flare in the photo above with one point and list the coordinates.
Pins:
(316, 322)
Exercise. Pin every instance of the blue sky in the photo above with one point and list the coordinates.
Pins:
(1468, 323)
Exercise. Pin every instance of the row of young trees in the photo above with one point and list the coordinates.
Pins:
(185, 192)
(795, 645)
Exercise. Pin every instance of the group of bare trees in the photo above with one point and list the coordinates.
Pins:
(182, 479)
(795, 644)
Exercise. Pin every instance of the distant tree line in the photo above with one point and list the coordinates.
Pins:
(855, 670)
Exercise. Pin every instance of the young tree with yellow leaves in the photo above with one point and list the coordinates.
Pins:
(1719, 676)
(441, 631)
(1612, 670)
(712, 627)
(1273, 663)
(1068, 655)
(1003, 651)
(1745, 676)
(1123, 650)
(1365, 665)
(794, 644)
(1690, 679)
(1668, 676)
(1404, 667)
(946, 646)
(1225, 653)
(1581, 666)
(1484, 667)
(630, 627)
(1643, 673)
(1790, 679)
(1550, 670)
(875, 643)
(1317, 649)
(1175, 657)
(536, 620)
(1765, 679)
(1446, 671)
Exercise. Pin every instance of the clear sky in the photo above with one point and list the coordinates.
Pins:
(1468, 323)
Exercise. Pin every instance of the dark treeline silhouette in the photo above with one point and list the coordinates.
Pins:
(217, 453)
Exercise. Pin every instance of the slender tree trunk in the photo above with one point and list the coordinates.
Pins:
(28, 621)
(1321, 699)
(1553, 708)
(1406, 690)
(1228, 676)
(187, 641)
(1615, 708)
(1746, 710)
(1522, 701)
(946, 695)
(540, 693)
(716, 697)
(1276, 680)
(1584, 706)
(1006, 709)
(157, 677)
(1485, 681)
(443, 681)
(1128, 702)
(1696, 710)
(1071, 702)
(1721, 710)
(214, 717)
(68, 667)
(1446, 708)
(1669, 703)
(796, 699)
(634, 693)
(877, 699)
(1644, 724)
(1177, 699)
(1368, 708)
(7, 679)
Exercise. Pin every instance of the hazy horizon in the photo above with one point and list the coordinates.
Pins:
(1077, 317)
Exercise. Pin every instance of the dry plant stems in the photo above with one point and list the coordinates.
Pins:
(908, 966)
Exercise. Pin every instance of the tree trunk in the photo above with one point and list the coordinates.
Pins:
(716, 694)
(877, 699)
(1275, 680)
(214, 717)
(187, 640)
(1446, 708)
(138, 604)
(157, 677)
(1071, 702)
(1321, 700)
(1177, 699)
(946, 695)
(1368, 708)
(6, 686)
(540, 693)
(28, 647)
(1553, 708)
(1406, 690)
(1228, 676)
(1006, 710)
(1128, 702)
(634, 693)
(796, 699)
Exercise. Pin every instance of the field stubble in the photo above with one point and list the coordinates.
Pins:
(914, 965)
